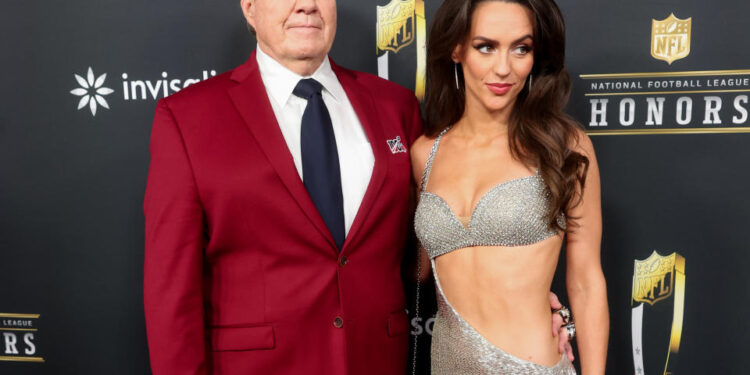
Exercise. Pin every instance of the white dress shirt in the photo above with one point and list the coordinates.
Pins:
(355, 153)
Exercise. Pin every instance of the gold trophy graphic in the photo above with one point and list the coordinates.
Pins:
(400, 23)
(658, 305)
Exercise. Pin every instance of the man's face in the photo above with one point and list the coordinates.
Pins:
(292, 31)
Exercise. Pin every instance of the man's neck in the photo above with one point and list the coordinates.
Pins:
(303, 67)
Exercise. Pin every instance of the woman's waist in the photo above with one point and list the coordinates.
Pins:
(517, 314)
(526, 312)
(526, 334)
(496, 293)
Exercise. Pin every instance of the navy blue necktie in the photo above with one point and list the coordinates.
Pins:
(321, 173)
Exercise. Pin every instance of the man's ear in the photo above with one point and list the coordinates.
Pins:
(248, 10)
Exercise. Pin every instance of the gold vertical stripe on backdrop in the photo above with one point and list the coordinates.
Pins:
(419, 87)
(679, 304)
(21, 359)
(678, 310)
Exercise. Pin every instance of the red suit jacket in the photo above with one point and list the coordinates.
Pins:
(241, 274)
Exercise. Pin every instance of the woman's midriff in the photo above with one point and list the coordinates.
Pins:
(503, 293)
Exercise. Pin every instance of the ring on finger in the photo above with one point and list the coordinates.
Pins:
(564, 314)
(571, 328)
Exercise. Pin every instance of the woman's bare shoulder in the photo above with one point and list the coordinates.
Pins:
(582, 144)
(420, 151)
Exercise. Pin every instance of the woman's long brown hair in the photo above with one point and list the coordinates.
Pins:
(540, 133)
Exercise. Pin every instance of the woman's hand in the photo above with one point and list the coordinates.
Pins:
(559, 329)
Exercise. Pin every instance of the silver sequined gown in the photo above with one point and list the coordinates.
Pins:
(509, 214)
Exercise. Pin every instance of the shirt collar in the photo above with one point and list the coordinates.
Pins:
(284, 80)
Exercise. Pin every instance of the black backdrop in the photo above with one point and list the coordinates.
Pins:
(71, 237)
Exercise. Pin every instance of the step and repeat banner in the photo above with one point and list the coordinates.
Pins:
(661, 87)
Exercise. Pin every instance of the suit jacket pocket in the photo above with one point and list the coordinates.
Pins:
(398, 323)
(242, 338)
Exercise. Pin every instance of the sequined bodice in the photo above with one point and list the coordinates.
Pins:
(509, 214)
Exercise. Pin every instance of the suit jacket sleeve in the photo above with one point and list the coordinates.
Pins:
(173, 267)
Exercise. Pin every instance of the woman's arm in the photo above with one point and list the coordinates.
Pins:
(586, 286)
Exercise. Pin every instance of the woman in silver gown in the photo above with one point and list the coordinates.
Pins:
(504, 178)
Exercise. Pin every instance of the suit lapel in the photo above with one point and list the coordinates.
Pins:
(364, 107)
(251, 100)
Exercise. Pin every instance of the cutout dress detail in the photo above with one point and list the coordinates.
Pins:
(511, 213)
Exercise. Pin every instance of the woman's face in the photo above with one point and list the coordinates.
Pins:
(497, 55)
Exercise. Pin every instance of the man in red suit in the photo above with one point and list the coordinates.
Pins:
(247, 269)
(242, 273)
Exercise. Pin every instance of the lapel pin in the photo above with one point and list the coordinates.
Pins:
(396, 146)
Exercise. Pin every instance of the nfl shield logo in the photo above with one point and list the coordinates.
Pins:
(653, 278)
(396, 27)
(670, 38)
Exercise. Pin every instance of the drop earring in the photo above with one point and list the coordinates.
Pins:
(531, 79)
(455, 73)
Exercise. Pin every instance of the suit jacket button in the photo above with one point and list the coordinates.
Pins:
(338, 322)
(343, 261)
